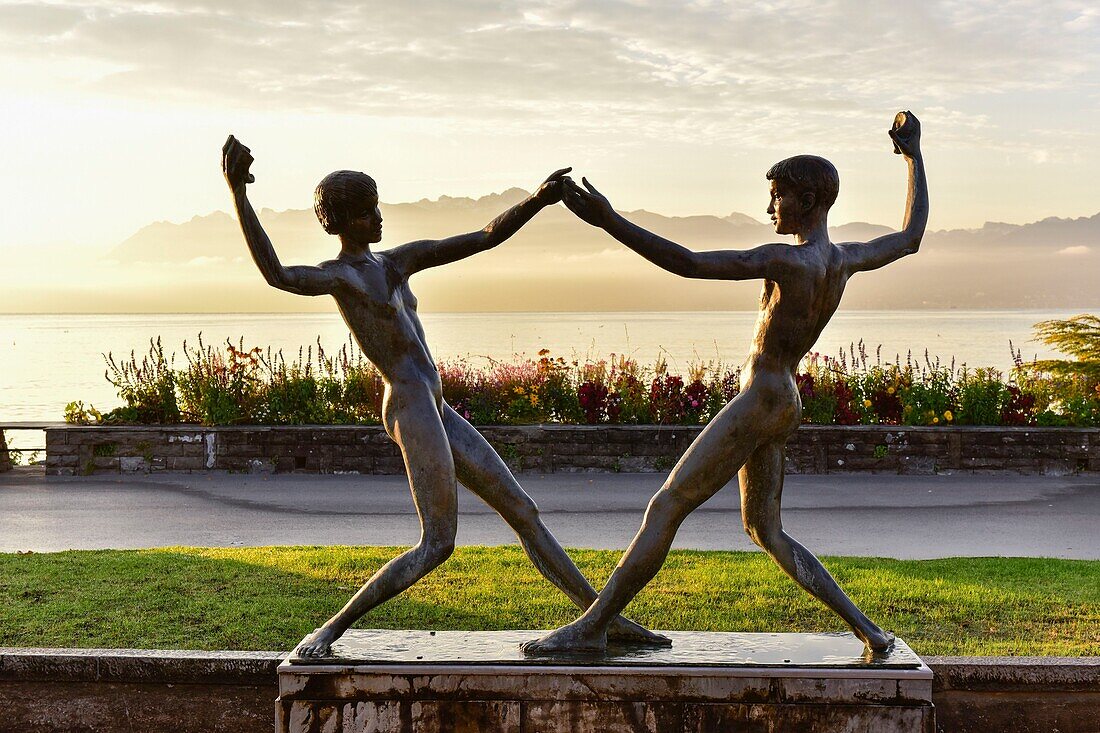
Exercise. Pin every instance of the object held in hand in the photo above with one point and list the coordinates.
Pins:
(903, 128)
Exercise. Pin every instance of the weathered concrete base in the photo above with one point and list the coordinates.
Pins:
(428, 692)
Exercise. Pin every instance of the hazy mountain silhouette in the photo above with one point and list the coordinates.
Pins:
(560, 263)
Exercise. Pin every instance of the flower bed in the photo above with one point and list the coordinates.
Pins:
(235, 385)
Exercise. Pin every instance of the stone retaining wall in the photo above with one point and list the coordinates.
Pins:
(109, 690)
(5, 457)
(1017, 694)
(548, 448)
(187, 692)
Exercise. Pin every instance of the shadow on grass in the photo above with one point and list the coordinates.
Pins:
(270, 597)
(185, 600)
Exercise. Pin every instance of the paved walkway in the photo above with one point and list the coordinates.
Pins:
(891, 516)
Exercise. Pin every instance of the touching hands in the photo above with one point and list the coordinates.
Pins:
(549, 192)
(905, 133)
(236, 158)
(589, 205)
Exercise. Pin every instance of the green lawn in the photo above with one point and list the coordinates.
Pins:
(269, 597)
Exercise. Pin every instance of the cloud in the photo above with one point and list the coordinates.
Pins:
(204, 261)
(603, 257)
(660, 68)
(1075, 251)
(1088, 19)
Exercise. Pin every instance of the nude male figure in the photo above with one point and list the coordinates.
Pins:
(439, 447)
(803, 284)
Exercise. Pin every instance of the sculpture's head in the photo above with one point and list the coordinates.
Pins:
(803, 188)
(346, 203)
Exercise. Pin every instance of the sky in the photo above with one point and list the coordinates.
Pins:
(114, 112)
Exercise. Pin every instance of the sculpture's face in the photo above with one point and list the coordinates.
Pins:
(367, 225)
(787, 209)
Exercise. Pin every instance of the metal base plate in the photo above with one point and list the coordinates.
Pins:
(689, 649)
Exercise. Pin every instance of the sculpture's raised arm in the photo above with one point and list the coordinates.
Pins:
(767, 261)
(885, 249)
(420, 255)
(301, 280)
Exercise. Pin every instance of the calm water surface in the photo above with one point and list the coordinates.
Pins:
(49, 360)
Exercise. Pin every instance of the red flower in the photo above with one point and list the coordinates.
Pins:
(593, 400)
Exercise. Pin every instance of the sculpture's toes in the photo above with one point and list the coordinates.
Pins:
(886, 644)
(316, 645)
(880, 643)
(629, 632)
(314, 651)
(567, 639)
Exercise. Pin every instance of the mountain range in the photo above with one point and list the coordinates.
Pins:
(558, 262)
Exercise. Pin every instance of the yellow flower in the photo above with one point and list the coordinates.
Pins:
(948, 416)
(519, 390)
(867, 403)
(935, 420)
(889, 390)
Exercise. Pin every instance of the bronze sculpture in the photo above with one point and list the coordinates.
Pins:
(802, 288)
(438, 446)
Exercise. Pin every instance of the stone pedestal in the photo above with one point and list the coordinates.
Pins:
(421, 682)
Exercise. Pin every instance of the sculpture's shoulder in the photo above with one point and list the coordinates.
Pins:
(813, 259)
(344, 276)
(377, 276)
(817, 265)
(336, 269)
(836, 262)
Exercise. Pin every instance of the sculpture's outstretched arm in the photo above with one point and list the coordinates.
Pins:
(885, 249)
(771, 261)
(301, 280)
(420, 255)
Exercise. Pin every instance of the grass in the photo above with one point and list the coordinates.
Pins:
(269, 597)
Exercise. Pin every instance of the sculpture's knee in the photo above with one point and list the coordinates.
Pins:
(436, 547)
(667, 505)
(524, 514)
(762, 533)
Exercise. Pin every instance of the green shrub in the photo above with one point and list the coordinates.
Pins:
(982, 394)
(148, 389)
(217, 390)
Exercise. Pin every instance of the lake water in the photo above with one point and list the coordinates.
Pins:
(47, 361)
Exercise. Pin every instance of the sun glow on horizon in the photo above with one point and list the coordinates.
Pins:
(115, 112)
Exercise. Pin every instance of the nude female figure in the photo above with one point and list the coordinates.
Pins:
(439, 447)
(803, 284)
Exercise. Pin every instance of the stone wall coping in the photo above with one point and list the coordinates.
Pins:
(170, 666)
(34, 425)
(191, 427)
(163, 666)
(1016, 673)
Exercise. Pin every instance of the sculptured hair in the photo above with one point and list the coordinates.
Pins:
(808, 174)
(340, 197)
